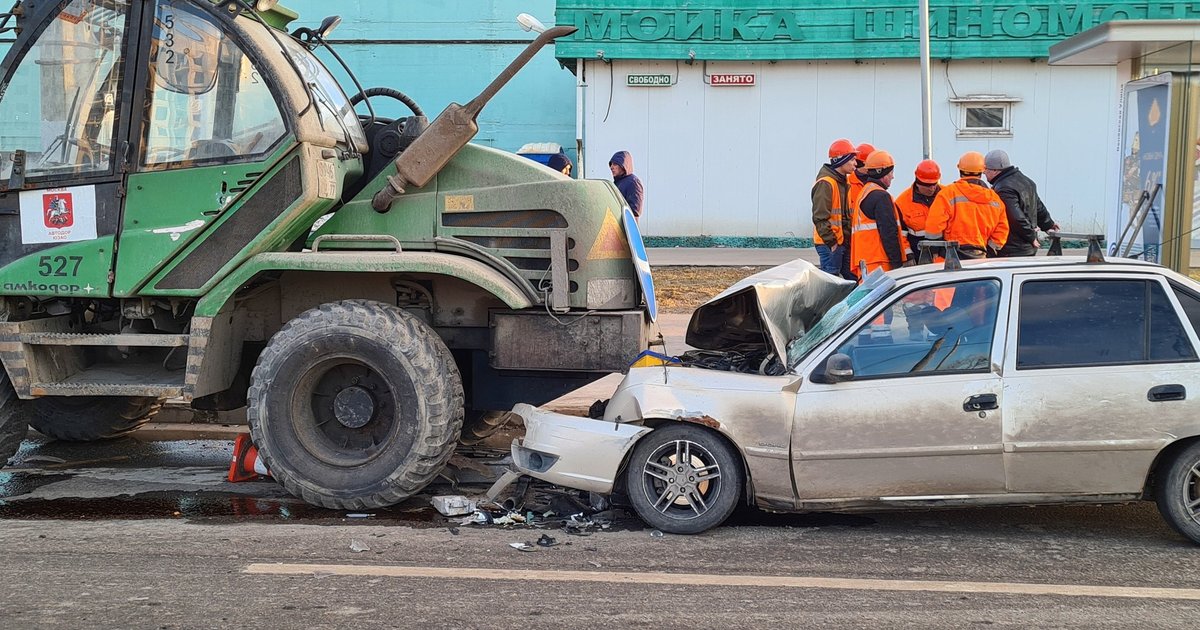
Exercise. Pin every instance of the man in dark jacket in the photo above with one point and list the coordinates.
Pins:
(630, 186)
(1025, 210)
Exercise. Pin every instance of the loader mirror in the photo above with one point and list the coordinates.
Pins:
(328, 25)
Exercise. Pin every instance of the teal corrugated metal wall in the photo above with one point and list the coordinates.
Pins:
(386, 43)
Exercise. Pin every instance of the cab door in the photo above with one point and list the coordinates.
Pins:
(65, 110)
(210, 130)
(922, 413)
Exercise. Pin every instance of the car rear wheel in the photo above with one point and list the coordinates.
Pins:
(684, 479)
(1177, 493)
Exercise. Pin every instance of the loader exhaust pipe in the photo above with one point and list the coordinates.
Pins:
(452, 130)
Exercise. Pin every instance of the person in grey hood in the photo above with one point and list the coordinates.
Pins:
(1025, 210)
(630, 186)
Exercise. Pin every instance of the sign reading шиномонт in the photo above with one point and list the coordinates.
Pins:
(818, 29)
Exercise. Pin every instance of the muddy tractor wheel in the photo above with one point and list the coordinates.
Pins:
(355, 405)
(89, 418)
(684, 479)
(1177, 493)
(12, 425)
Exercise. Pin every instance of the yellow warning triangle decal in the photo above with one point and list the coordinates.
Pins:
(611, 242)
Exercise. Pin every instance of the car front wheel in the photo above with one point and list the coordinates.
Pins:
(684, 479)
(1178, 493)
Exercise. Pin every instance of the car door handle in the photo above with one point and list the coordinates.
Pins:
(981, 402)
(1164, 393)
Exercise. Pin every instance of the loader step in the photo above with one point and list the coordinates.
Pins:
(104, 379)
(91, 339)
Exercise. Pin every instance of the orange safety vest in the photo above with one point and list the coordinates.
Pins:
(913, 212)
(856, 189)
(968, 213)
(865, 242)
(836, 212)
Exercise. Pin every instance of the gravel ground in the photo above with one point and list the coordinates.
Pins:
(682, 289)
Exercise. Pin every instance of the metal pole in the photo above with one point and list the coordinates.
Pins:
(926, 97)
(580, 92)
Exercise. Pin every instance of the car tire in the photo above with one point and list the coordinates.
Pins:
(1177, 488)
(355, 405)
(684, 479)
(89, 418)
(12, 424)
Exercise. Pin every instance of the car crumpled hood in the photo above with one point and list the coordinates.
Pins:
(772, 306)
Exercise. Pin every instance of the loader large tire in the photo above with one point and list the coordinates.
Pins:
(12, 426)
(355, 405)
(89, 418)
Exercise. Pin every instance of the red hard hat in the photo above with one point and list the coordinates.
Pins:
(840, 147)
(863, 151)
(928, 172)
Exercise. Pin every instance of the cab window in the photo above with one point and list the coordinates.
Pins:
(207, 101)
(61, 103)
(943, 329)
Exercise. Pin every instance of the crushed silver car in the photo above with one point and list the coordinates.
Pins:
(1008, 382)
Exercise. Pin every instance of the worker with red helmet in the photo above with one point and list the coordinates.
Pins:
(831, 210)
(914, 202)
(969, 212)
(877, 234)
(861, 152)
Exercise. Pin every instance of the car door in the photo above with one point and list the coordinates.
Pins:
(65, 107)
(1103, 375)
(921, 414)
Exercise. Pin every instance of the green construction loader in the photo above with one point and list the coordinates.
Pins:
(193, 209)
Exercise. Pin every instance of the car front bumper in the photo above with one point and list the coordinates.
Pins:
(569, 451)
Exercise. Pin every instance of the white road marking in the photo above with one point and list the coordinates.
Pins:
(697, 579)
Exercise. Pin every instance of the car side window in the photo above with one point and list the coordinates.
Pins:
(1076, 323)
(948, 328)
(1191, 305)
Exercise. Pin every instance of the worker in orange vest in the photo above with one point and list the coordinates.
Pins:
(914, 202)
(969, 212)
(877, 234)
(861, 152)
(831, 210)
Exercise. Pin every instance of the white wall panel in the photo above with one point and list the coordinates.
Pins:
(739, 161)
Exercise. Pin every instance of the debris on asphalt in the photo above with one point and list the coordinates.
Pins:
(359, 515)
(44, 459)
(453, 531)
(453, 505)
(522, 546)
(358, 546)
(656, 534)
(594, 563)
(547, 541)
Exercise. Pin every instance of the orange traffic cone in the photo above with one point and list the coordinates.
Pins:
(246, 464)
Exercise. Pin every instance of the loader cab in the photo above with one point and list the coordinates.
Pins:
(138, 126)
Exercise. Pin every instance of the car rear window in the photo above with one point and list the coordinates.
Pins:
(1071, 323)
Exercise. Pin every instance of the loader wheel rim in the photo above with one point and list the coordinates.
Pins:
(351, 414)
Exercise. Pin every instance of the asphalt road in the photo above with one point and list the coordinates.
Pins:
(149, 535)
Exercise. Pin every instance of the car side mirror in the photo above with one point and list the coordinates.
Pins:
(839, 368)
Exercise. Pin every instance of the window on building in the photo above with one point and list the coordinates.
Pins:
(985, 116)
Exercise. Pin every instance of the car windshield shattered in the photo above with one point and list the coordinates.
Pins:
(870, 292)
